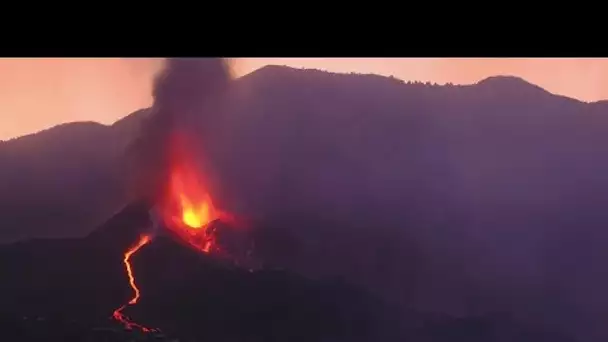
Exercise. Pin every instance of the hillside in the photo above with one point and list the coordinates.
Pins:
(68, 288)
(47, 180)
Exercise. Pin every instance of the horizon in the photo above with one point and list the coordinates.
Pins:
(44, 93)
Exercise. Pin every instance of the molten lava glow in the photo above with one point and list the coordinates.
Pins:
(188, 209)
(186, 204)
(118, 315)
(194, 216)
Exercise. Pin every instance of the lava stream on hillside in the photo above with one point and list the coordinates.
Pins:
(117, 314)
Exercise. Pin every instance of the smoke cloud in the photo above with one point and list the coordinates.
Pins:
(180, 90)
(185, 84)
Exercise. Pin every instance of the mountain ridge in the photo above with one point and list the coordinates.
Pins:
(504, 81)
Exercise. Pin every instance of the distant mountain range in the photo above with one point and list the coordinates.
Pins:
(64, 162)
(459, 199)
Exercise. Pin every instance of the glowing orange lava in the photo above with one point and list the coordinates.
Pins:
(192, 208)
(118, 315)
(195, 207)
(187, 206)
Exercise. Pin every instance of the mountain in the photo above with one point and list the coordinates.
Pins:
(458, 199)
(63, 181)
(461, 199)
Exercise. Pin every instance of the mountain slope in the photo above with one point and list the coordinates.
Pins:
(58, 182)
(70, 287)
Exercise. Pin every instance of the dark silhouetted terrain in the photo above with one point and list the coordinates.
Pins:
(67, 289)
(465, 200)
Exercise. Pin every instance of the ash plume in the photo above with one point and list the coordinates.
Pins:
(185, 84)
(181, 90)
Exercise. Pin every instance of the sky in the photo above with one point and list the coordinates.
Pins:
(36, 94)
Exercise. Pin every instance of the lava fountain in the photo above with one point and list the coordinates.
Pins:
(187, 207)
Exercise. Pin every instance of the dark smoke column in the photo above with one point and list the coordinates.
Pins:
(186, 84)
(182, 89)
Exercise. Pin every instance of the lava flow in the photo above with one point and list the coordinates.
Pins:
(118, 315)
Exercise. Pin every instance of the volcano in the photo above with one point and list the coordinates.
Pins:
(183, 292)
(170, 262)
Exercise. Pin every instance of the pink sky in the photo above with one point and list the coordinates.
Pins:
(39, 93)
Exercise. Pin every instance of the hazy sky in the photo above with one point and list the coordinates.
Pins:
(39, 93)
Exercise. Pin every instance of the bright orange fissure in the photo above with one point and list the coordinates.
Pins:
(118, 315)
